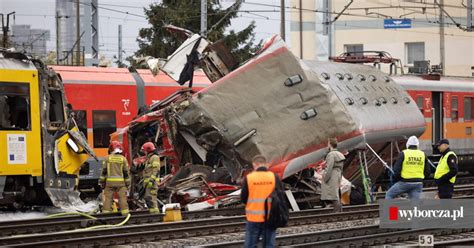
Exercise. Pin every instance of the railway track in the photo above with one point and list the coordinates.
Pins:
(45, 225)
(459, 190)
(460, 180)
(371, 235)
(70, 230)
(151, 232)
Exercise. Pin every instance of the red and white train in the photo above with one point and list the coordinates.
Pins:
(447, 103)
(107, 99)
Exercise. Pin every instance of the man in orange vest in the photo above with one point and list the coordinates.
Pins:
(256, 188)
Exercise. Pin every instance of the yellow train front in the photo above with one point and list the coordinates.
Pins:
(41, 151)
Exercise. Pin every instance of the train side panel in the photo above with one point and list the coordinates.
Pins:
(20, 136)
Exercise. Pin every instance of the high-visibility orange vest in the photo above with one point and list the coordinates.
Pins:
(260, 185)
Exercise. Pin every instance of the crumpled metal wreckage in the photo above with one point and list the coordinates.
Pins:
(276, 105)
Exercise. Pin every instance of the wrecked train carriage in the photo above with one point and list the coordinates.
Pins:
(41, 148)
(286, 109)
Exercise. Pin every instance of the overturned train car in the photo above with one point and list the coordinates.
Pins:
(285, 109)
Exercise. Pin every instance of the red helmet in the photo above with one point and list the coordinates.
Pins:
(148, 147)
(115, 145)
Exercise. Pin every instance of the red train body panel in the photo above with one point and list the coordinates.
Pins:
(106, 99)
(448, 107)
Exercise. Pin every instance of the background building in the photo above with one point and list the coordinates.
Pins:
(408, 30)
(32, 41)
(67, 32)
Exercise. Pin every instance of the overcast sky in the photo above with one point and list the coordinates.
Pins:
(40, 14)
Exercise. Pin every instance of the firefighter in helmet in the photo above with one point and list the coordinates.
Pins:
(150, 176)
(115, 178)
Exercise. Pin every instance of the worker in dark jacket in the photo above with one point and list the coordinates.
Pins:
(115, 178)
(446, 171)
(410, 170)
(256, 187)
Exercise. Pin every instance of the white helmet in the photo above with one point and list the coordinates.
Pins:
(413, 141)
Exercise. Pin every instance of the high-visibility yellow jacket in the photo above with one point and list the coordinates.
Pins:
(443, 167)
(115, 171)
(413, 166)
(151, 171)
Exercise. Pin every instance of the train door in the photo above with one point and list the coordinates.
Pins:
(437, 120)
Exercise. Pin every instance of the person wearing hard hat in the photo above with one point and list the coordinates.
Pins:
(150, 176)
(410, 169)
(445, 174)
(115, 178)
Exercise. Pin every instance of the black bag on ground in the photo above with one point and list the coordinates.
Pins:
(279, 212)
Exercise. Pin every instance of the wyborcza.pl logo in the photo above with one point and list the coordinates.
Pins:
(409, 214)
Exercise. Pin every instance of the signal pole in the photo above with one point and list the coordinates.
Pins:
(469, 15)
(5, 28)
(203, 17)
(282, 19)
(78, 33)
(120, 45)
(441, 38)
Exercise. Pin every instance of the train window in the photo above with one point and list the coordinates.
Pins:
(103, 124)
(414, 51)
(468, 130)
(56, 110)
(419, 103)
(454, 108)
(80, 117)
(15, 106)
(468, 108)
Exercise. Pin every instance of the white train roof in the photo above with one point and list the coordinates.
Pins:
(449, 84)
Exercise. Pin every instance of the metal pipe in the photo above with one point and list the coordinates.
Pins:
(282, 19)
(301, 29)
(381, 160)
(78, 31)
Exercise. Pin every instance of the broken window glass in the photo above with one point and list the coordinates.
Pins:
(81, 120)
(15, 106)
(56, 109)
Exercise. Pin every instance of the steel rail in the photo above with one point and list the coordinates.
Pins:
(370, 235)
(45, 225)
(165, 231)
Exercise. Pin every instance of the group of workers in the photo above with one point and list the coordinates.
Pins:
(412, 167)
(115, 177)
